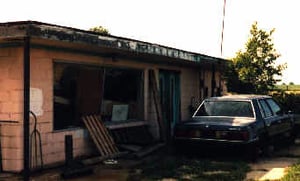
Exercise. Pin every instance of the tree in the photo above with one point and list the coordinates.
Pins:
(100, 29)
(254, 70)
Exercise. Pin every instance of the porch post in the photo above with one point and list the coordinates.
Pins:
(26, 75)
(146, 90)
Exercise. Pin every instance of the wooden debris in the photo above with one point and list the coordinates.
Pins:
(147, 150)
(96, 160)
(134, 148)
(157, 103)
(100, 135)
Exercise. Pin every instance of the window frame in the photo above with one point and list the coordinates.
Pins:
(79, 66)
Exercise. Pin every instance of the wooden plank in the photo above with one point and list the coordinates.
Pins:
(100, 134)
(149, 150)
(133, 148)
(94, 138)
(107, 136)
(126, 124)
(157, 103)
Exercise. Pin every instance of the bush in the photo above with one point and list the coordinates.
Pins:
(290, 102)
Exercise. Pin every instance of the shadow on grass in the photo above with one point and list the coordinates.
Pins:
(192, 167)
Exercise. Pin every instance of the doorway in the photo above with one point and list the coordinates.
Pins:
(169, 85)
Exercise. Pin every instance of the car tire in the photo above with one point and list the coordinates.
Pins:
(266, 146)
(252, 152)
(292, 138)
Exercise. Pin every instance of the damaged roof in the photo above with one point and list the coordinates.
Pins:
(73, 35)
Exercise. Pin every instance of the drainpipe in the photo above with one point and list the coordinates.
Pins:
(26, 75)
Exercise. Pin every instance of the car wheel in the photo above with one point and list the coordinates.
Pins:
(252, 152)
(267, 147)
(292, 137)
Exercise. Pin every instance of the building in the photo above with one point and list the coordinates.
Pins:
(61, 74)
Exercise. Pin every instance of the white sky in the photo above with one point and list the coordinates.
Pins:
(192, 25)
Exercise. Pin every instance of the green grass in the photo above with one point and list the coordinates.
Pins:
(288, 87)
(293, 173)
(183, 168)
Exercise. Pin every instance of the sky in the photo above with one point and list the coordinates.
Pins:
(191, 25)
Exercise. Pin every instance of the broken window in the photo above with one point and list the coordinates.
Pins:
(123, 95)
(80, 90)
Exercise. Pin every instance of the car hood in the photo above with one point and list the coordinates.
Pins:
(221, 121)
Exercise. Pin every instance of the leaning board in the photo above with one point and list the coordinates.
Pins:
(100, 135)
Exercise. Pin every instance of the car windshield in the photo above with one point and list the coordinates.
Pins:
(225, 108)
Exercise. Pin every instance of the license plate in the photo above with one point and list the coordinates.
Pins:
(196, 133)
(218, 134)
(221, 134)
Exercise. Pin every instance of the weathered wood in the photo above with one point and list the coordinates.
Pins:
(148, 150)
(100, 135)
(157, 103)
(107, 136)
(126, 124)
(95, 160)
(103, 142)
(93, 135)
(134, 148)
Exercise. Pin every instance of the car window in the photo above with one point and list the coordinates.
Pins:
(225, 108)
(274, 106)
(265, 109)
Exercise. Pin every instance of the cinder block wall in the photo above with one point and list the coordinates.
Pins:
(11, 108)
(41, 77)
(53, 142)
(189, 89)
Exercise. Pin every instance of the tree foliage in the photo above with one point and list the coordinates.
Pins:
(100, 29)
(254, 70)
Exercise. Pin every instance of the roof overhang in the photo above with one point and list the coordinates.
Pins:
(66, 38)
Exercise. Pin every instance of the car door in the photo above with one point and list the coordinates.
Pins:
(276, 122)
(284, 120)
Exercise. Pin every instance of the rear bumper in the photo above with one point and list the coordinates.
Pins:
(211, 142)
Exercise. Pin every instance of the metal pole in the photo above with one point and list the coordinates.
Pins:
(223, 25)
(26, 72)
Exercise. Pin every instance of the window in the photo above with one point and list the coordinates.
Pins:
(274, 106)
(226, 108)
(123, 94)
(81, 90)
(265, 109)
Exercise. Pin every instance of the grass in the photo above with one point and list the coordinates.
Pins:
(293, 173)
(288, 87)
(186, 169)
